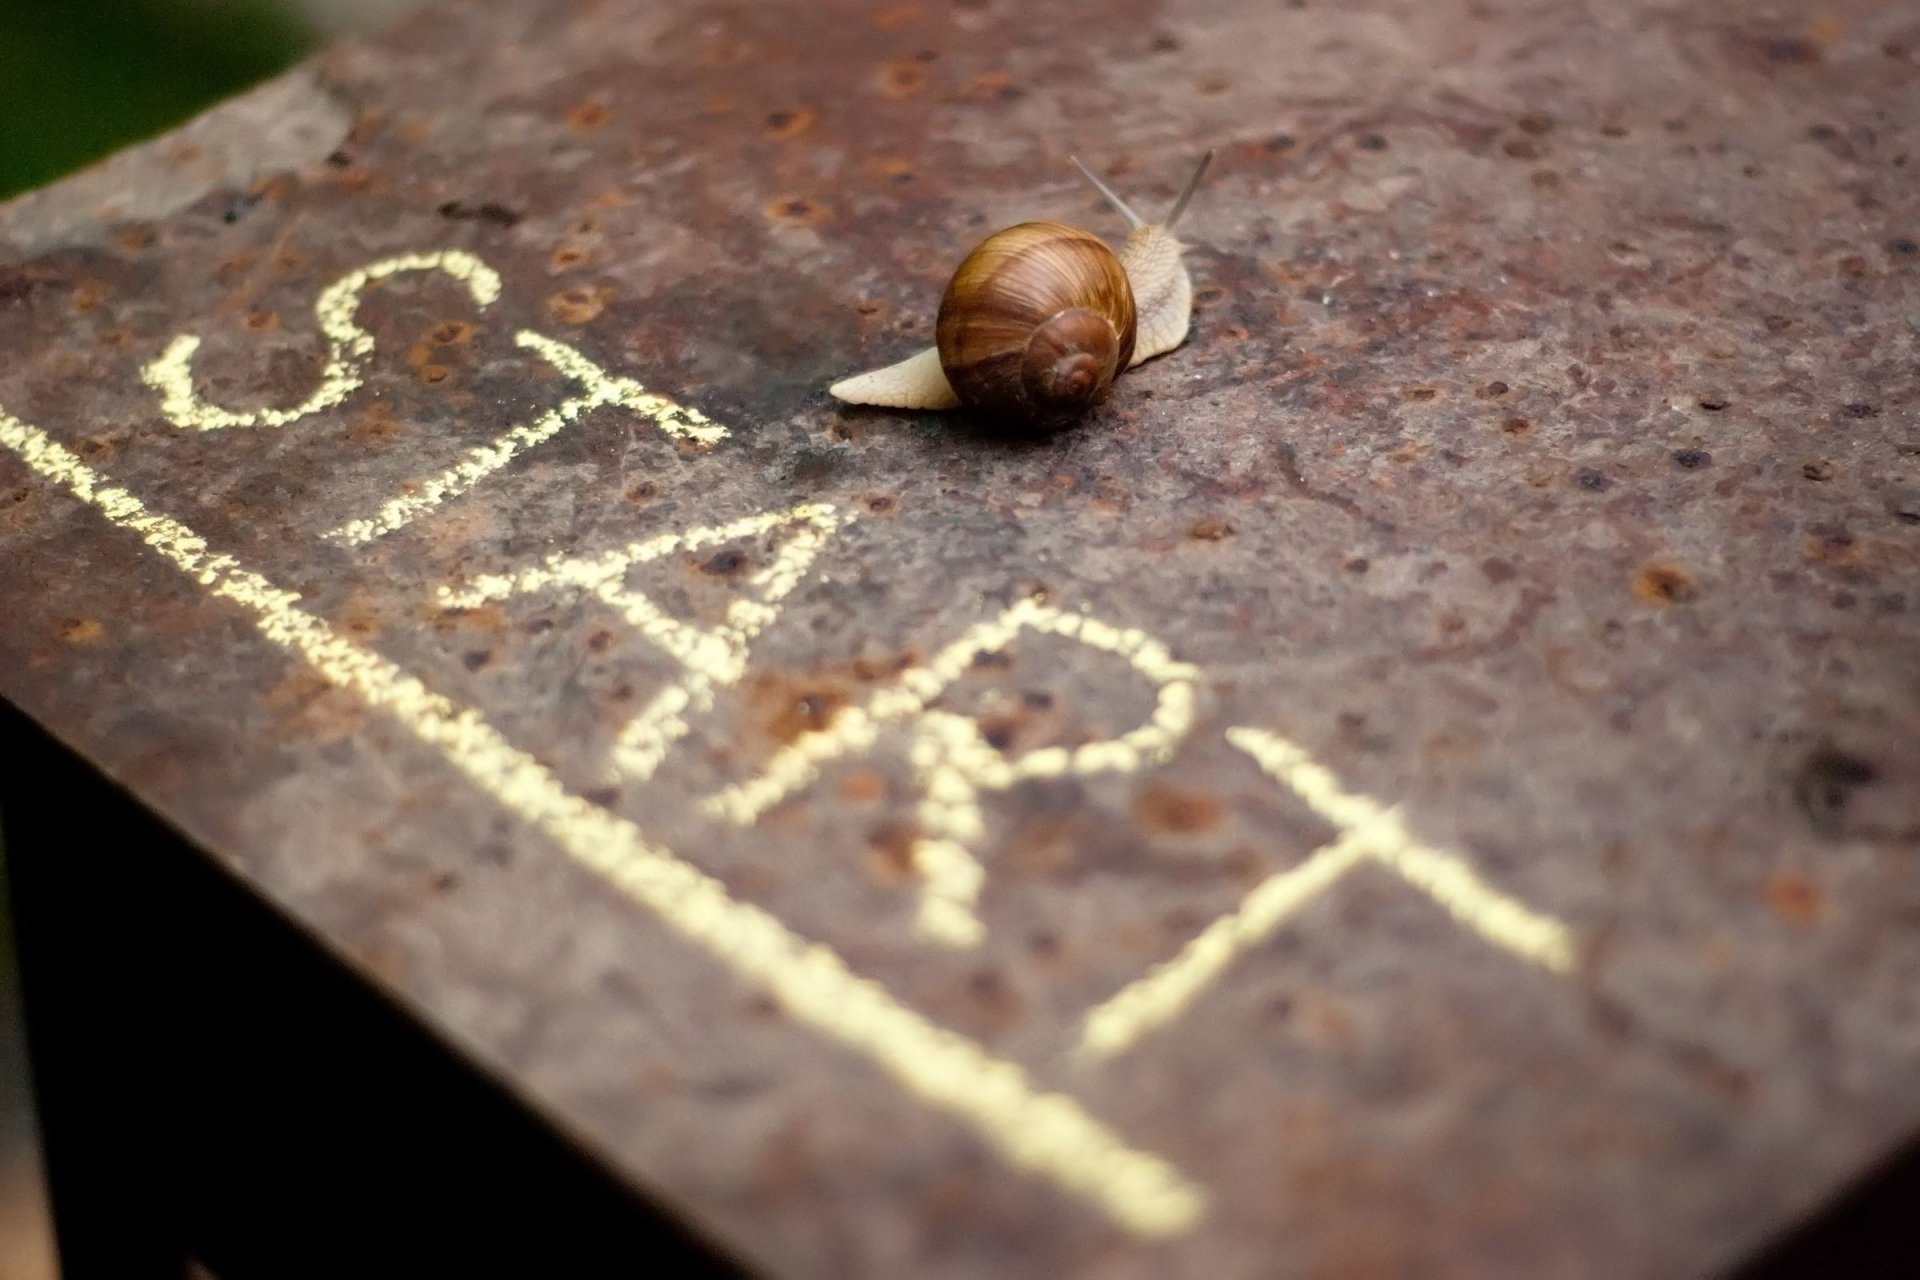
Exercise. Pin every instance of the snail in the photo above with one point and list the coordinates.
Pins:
(1040, 318)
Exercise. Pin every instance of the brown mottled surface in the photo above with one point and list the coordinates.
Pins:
(1545, 458)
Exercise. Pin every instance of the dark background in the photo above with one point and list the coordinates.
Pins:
(79, 80)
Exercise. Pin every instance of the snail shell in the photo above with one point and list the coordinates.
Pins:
(1036, 322)
(1029, 317)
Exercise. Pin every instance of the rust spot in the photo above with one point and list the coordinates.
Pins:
(1210, 529)
(1824, 784)
(229, 271)
(1523, 149)
(451, 333)
(308, 706)
(1498, 570)
(81, 630)
(862, 786)
(890, 853)
(88, 295)
(789, 123)
(725, 564)
(896, 171)
(1000, 732)
(359, 621)
(1043, 844)
(1165, 808)
(1322, 1018)
(998, 86)
(1537, 123)
(374, 424)
(902, 78)
(896, 16)
(568, 256)
(641, 491)
(116, 339)
(880, 504)
(788, 709)
(868, 670)
(486, 617)
(419, 355)
(1794, 898)
(485, 211)
(589, 116)
(432, 373)
(1790, 51)
(1663, 584)
(263, 321)
(992, 1005)
(1832, 547)
(1517, 427)
(1493, 390)
(799, 211)
(1816, 469)
(1421, 393)
(577, 306)
(134, 239)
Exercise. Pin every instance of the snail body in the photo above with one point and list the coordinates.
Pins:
(1040, 318)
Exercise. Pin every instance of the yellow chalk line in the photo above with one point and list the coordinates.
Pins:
(348, 346)
(1503, 921)
(1046, 1134)
(1165, 993)
(602, 388)
(954, 762)
(1368, 831)
(711, 657)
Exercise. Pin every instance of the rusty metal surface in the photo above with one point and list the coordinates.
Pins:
(1543, 469)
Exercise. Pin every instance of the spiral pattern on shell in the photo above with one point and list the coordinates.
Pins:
(1036, 322)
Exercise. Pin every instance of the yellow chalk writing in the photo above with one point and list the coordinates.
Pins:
(602, 388)
(348, 346)
(1368, 831)
(954, 762)
(1044, 1133)
(713, 657)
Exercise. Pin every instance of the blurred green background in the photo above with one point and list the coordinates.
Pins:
(80, 79)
